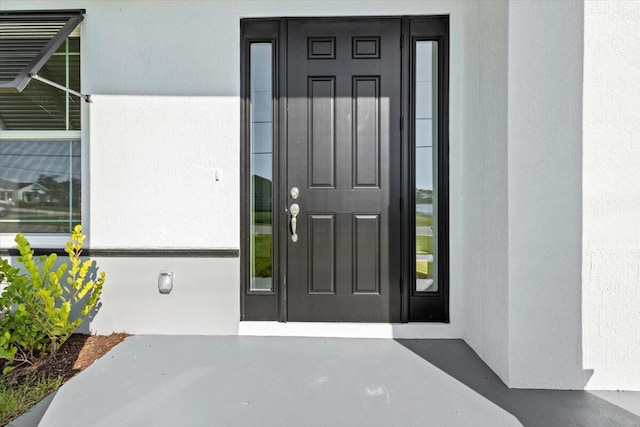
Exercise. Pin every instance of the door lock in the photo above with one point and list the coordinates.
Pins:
(294, 192)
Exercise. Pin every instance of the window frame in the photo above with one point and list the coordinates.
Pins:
(53, 239)
(425, 306)
(254, 304)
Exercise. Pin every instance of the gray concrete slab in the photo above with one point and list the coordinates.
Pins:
(629, 400)
(288, 381)
(530, 407)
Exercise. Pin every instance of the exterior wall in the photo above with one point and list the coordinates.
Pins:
(165, 84)
(484, 167)
(152, 171)
(545, 194)
(204, 299)
(611, 195)
(573, 199)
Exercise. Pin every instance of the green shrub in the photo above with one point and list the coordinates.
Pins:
(36, 305)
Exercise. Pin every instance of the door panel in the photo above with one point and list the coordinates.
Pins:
(322, 254)
(366, 132)
(366, 254)
(321, 131)
(343, 154)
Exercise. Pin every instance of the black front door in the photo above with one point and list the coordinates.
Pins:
(343, 155)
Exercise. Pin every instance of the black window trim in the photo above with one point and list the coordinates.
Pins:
(425, 306)
(258, 305)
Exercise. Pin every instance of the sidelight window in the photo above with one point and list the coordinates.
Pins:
(426, 165)
(428, 214)
(261, 165)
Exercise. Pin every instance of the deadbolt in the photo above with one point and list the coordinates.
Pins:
(294, 192)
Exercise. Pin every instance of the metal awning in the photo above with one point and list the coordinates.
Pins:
(27, 41)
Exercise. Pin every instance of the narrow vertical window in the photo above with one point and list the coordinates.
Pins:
(426, 165)
(261, 161)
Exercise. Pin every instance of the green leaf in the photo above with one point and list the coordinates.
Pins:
(87, 287)
(45, 298)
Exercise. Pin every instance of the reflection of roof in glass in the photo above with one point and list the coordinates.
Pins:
(35, 188)
(26, 161)
(10, 185)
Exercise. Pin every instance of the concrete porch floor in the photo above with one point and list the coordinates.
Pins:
(289, 381)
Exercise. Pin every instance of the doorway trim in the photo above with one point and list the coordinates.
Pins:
(272, 305)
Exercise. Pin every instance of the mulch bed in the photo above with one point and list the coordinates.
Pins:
(76, 354)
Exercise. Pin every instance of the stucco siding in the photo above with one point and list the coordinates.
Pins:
(611, 195)
(485, 182)
(545, 187)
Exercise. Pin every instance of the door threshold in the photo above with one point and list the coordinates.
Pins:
(350, 330)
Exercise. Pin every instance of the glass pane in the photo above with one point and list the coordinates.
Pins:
(74, 44)
(425, 125)
(42, 107)
(261, 139)
(39, 186)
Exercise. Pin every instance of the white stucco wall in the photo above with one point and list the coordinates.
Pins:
(545, 201)
(611, 195)
(572, 292)
(152, 171)
(204, 299)
(484, 167)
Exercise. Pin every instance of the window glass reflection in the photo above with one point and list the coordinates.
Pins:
(261, 141)
(425, 125)
(42, 107)
(39, 186)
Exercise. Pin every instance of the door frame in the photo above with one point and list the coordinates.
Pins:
(272, 305)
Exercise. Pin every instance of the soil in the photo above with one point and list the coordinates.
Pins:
(75, 355)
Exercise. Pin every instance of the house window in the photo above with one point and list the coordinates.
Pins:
(426, 164)
(261, 138)
(428, 214)
(40, 172)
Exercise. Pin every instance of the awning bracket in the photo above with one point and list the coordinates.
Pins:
(87, 98)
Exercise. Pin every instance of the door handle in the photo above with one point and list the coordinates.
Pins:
(294, 209)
